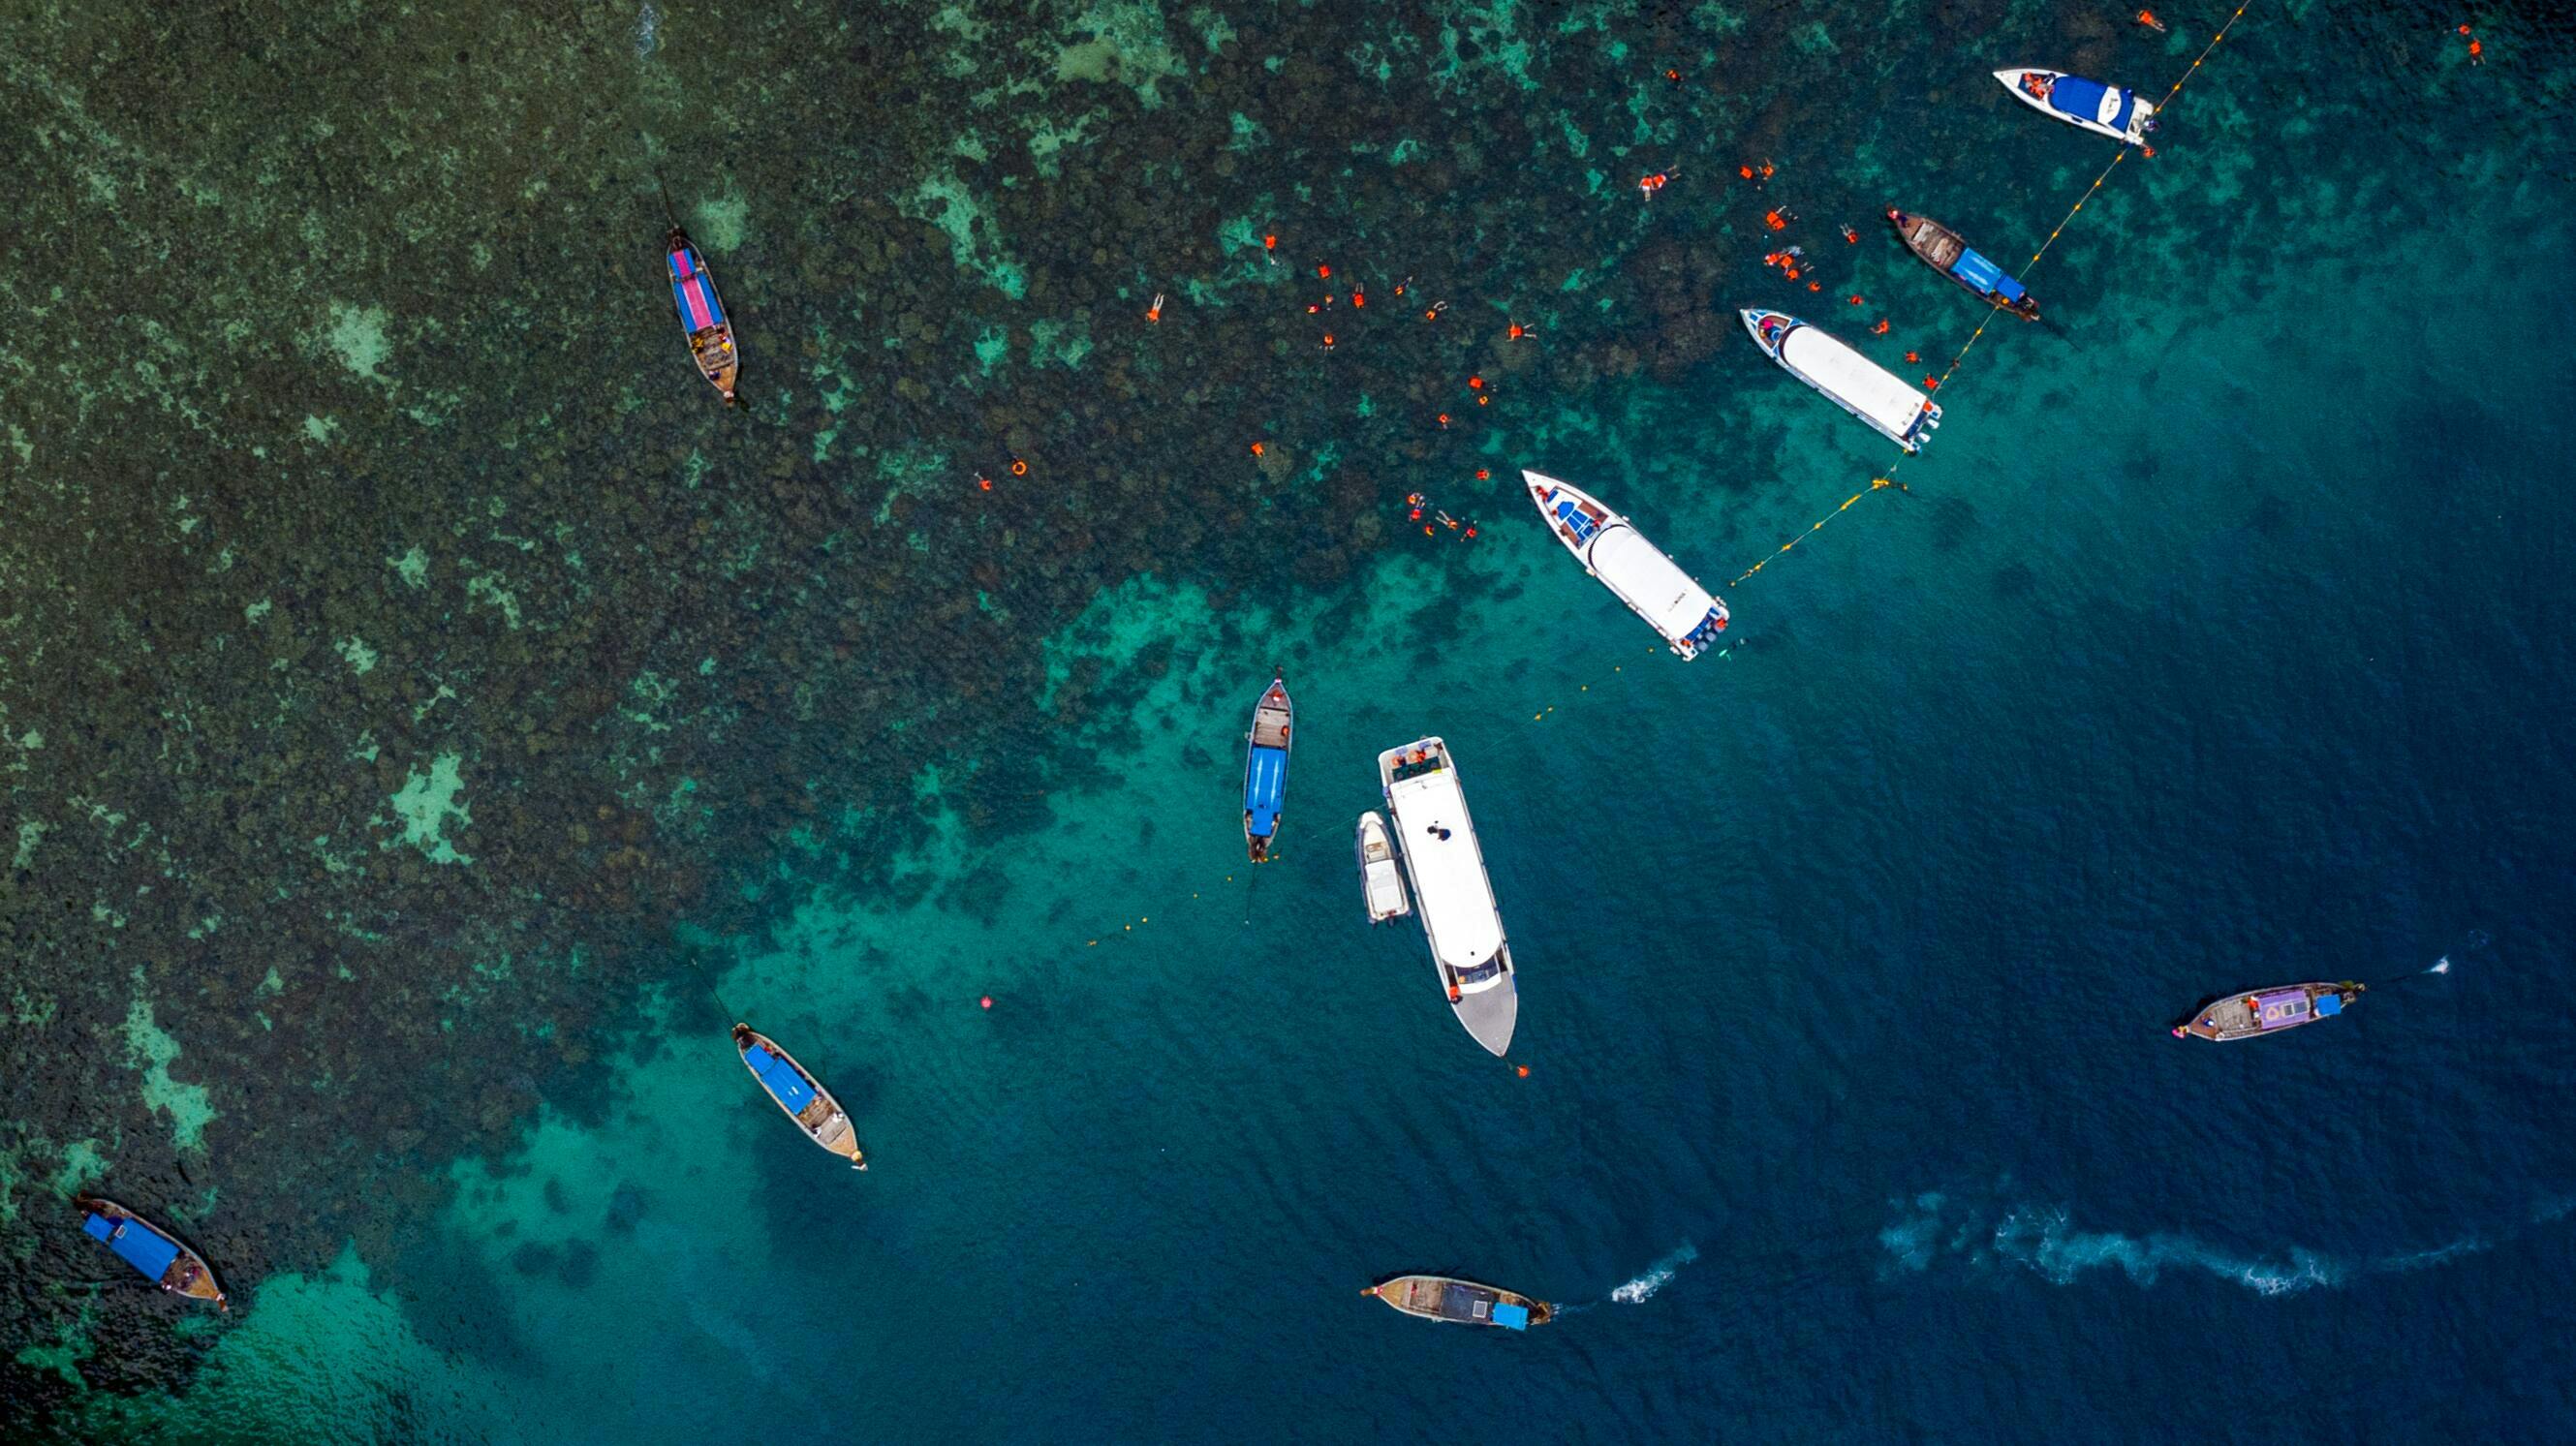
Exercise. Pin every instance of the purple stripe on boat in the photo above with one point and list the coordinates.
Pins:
(2281, 1007)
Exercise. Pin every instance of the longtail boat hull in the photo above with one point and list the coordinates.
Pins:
(1942, 249)
(702, 314)
(1461, 1302)
(799, 1095)
(1265, 769)
(155, 1253)
(2260, 1012)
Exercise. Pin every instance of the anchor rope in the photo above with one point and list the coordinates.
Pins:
(1888, 478)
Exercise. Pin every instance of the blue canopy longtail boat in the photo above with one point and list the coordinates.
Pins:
(152, 1251)
(702, 314)
(795, 1090)
(1943, 251)
(1265, 769)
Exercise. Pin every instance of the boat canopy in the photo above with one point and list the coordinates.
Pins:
(1986, 276)
(780, 1078)
(1265, 788)
(142, 1247)
(2281, 1007)
(1640, 573)
(1455, 898)
(1855, 380)
(2329, 1004)
(1512, 1317)
(699, 307)
(2092, 100)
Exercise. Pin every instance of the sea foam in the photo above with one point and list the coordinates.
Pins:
(1656, 1275)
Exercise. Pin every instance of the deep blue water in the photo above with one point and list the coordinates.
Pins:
(2220, 641)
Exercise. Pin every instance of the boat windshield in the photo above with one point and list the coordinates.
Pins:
(1489, 970)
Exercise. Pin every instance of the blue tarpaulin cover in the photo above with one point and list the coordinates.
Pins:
(1513, 1317)
(142, 1249)
(2329, 1004)
(780, 1078)
(1985, 276)
(2079, 97)
(1265, 788)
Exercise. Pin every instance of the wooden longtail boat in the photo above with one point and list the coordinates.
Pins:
(795, 1090)
(2268, 1011)
(1464, 1302)
(702, 314)
(1941, 249)
(1265, 769)
(151, 1250)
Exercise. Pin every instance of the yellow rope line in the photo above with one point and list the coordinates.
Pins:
(1889, 480)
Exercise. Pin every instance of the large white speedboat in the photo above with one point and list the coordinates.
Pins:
(1453, 893)
(1636, 571)
(1858, 385)
(2105, 110)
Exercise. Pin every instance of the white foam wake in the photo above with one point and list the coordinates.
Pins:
(1656, 1276)
(1930, 1230)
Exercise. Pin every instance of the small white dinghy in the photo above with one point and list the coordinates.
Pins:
(2105, 110)
(1636, 571)
(1381, 878)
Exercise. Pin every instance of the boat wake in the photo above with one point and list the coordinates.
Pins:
(1642, 1288)
(1929, 1231)
(2477, 940)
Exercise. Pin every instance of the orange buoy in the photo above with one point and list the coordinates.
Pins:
(987, 1001)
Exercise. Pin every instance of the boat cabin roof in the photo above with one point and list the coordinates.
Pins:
(1859, 382)
(141, 1246)
(2278, 1007)
(1265, 788)
(1639, 572)
(1450, 888)
(784, 1083)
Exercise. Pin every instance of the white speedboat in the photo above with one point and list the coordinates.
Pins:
(1381, 878)
(1858, 385)
(1459, 918)
(2105, 110)
(1636, 571)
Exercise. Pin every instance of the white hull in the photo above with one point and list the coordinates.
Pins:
(1381, 877)
(2141, 117)
(1635, 571)
(1851, 381)
(1453, 894)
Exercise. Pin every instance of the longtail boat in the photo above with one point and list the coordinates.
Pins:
(1464, 1302)
(2268, 1011)
(1265, 769)
(795, 1090)
(1941, 249)
(151, 1250)
(702, 314)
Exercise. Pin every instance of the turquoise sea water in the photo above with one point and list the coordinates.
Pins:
(2219, 640)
